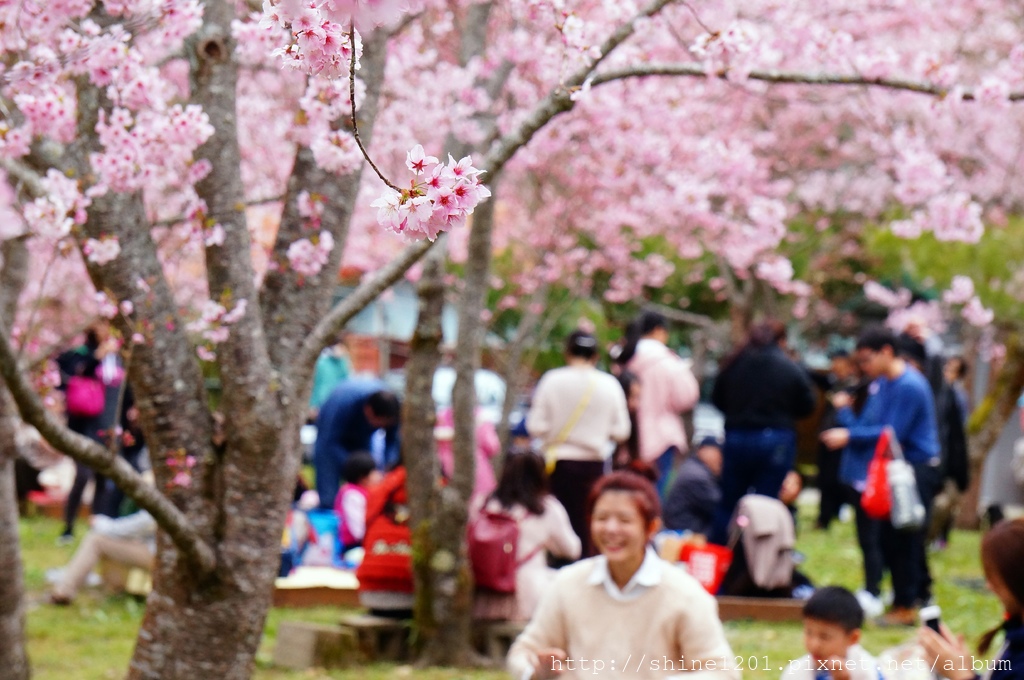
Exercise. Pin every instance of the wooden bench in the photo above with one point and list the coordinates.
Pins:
(303, 645)
(759, 608)
(377, 638)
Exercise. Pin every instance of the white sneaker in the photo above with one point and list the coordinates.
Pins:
(871, 605)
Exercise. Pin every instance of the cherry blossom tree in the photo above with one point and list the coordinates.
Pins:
(203, 158)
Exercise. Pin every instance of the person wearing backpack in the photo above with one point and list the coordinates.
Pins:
(523, 513)
(91, 378)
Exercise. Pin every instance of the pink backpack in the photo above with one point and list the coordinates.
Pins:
(85, 396)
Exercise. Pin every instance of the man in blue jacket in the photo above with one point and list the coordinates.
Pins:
(347, 422)
(901, 397)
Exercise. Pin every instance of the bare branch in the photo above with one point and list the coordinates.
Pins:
(783, 77)
(352, 100)
(31, 179)
(85, 450)
(367, 291)
(684, 317)
(560, 99)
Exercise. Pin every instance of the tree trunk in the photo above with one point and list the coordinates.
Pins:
(443, 588)
(987, 422)
(741, 315)
(513, 370)
(13, 657)
(211, 627)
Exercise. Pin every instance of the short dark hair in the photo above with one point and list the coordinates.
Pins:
(912, 349)
(877, 337)
(384, 404)
(358, 467)
(835, 604)
(581, 344)
(636, 485)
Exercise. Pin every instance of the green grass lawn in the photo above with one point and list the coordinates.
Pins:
(93, 639)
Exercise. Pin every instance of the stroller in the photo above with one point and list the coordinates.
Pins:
(762, 538)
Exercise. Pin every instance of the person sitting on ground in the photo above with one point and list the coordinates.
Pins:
(832, 623)
(1002, 553)
(544, 528)
(361, 475)
(385, 574)
(129, 540)
(695, 494)
(625, 603)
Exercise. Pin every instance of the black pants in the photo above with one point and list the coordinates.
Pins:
(905, 551)
(869, 533)
(832, 491)
(570, 484)
(83, 474)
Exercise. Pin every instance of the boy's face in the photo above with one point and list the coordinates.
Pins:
(827, 641)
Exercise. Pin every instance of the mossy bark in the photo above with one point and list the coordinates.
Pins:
(988, 421)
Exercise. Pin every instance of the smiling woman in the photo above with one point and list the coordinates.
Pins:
(610, 614)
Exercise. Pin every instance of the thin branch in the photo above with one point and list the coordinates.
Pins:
(560, 99)
(32, 180)
(784, 77)
(38, 303)
(352, 100)
(367, 291)
(85, 450)
(696, 18)
(171, 221)
(684, 317)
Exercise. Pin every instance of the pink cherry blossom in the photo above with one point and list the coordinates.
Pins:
(976, 314)
(961, 290)
(102, 251)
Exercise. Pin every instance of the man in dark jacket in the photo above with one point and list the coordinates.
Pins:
(690, 505)
(347, 421)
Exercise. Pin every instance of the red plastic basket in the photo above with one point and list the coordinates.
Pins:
(706, 563)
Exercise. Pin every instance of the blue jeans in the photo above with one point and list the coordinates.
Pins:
(328, 463)
(753, 461)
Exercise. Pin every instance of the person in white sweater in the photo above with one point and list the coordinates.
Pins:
(625, 612)
(578, 412)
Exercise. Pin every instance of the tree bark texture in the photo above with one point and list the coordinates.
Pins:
(988, 421)
(443, 588)
(13, 655)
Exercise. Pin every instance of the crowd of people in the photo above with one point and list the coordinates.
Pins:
(603, 468)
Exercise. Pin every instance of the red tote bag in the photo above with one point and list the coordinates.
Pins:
(875, 500)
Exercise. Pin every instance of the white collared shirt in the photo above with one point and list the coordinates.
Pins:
(646, 577)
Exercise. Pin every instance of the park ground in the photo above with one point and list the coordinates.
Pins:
(93, 639)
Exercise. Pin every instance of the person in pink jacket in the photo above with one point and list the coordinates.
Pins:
(487, 447)
(667, 391)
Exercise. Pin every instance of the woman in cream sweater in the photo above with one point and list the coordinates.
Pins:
(626, 610)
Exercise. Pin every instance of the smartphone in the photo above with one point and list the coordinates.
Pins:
(930, 616)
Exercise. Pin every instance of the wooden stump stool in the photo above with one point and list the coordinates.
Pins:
(379, 639)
